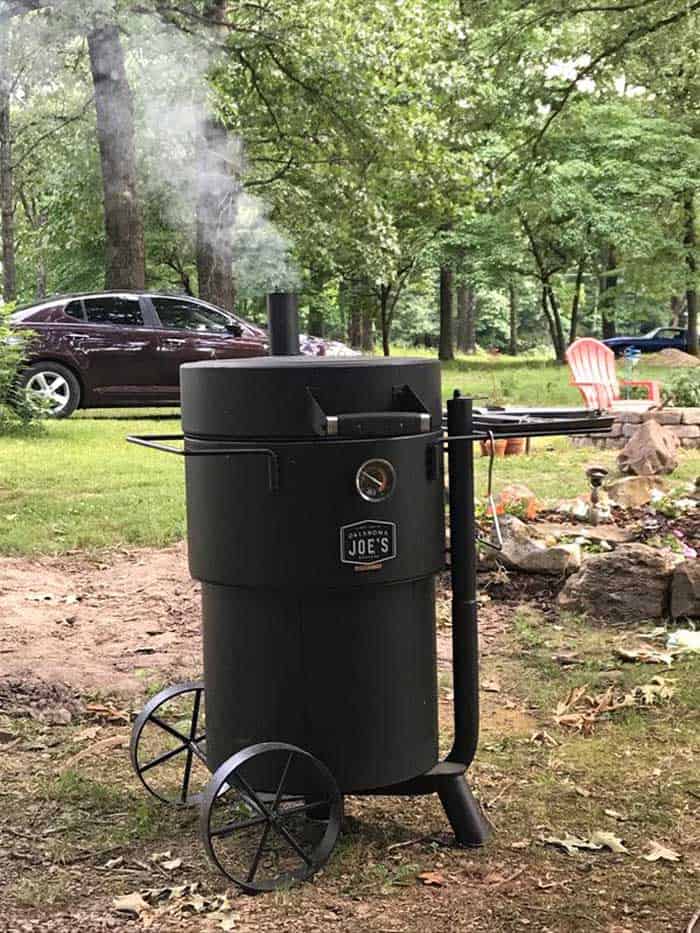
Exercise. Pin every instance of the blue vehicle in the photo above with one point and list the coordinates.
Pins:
(661, 338)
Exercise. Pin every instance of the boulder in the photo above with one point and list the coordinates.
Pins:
(685, 590)
(652, 449)
(524, 551)
(623, 586)
(631, 492)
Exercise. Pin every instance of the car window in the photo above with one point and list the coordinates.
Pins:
(75, 309)
(176, 314)
(668, 332)
(113, 309)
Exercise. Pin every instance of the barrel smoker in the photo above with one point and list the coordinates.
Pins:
(316, 525)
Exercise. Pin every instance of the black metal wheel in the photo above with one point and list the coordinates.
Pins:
(168, 745)
(270, 816)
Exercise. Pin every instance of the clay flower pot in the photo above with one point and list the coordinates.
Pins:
(515, 445)
(499, 444)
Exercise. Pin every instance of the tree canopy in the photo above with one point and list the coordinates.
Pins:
(429, 171)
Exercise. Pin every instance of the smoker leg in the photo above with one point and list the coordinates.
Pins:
(470, 826)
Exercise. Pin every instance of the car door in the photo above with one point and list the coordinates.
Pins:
(119, 349)
(670, 337)
(191, 331)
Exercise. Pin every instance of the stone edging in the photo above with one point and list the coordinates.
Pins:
(683, 422)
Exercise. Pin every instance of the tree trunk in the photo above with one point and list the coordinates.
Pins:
(384, 292)
(125, 263)
(367, 329)
(513, 320)
(466, 319)
(576, 301)
(607, 287)
(557, 328)
(216, 203)
(315, 321)
(9, 270)
(691, 292)
(446, 351)
(677, 308)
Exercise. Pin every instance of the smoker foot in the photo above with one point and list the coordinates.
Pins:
(470, 826)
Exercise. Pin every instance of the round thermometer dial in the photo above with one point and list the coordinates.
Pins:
(375, 480)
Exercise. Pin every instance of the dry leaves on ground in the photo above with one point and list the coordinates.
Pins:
(657, 852)
(645, 655)
(155, 905)
(600, 839)
(580, 711)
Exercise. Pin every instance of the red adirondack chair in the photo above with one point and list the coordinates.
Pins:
(593, 372)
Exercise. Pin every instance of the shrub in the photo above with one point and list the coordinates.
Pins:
(683, 388)
(15, 409)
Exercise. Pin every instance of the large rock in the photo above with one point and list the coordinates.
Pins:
(685, 590)
(652, 449)
(633, 491)
(623, 586)
(523, 551)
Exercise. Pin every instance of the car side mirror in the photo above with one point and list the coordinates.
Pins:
(234, 329)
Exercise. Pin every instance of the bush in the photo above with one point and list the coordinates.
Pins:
(683, 388)
(15, 409)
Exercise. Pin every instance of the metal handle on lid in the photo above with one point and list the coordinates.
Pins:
(154, 441)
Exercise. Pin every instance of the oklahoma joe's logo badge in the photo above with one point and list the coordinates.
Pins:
(367, 542)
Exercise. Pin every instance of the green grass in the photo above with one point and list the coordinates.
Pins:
(77, 485)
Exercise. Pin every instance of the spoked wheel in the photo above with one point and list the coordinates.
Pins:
(270, 816)
(168, 742)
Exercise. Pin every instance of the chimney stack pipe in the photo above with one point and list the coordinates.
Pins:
(283, 323)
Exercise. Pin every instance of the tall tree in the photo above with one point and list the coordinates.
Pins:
(125, 264)
(446, 349)
(691, 291)
(7, 205)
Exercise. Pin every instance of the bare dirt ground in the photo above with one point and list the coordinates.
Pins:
(100, 626)
(82, 641)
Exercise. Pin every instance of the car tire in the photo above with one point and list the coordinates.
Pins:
(55, 384)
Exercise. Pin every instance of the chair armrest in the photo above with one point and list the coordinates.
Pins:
(651, 385)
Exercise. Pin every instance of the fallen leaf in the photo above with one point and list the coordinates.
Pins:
(160, 856)
(657, 852)
(130, 904)
(491, 686)
(582, 792)
(113, 863)
(657, 691)
(615, 815)
(609, 841)
(432, 878)
(521, 844)
(88, 734)
(645, 655)
(571, 844)
(171, 864)
(113, 741)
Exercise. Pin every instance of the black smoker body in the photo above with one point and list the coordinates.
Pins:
(316, 527)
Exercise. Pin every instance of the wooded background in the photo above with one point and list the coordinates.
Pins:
(499, 173)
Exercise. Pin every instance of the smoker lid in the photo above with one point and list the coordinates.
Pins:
(284, 396)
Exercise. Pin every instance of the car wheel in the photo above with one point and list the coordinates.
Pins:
(53, 386)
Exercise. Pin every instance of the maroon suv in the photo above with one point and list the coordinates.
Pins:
(121, 349)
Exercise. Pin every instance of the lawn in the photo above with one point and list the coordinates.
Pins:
(78, 830)
(77, 484)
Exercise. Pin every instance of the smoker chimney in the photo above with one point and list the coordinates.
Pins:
(283, 323)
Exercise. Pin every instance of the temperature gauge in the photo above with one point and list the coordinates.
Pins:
(375, 480)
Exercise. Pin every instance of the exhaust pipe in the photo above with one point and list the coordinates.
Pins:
(283, 323)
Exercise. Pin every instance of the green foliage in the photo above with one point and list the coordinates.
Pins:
(518, 144)
(683, 388)
(15, 411)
